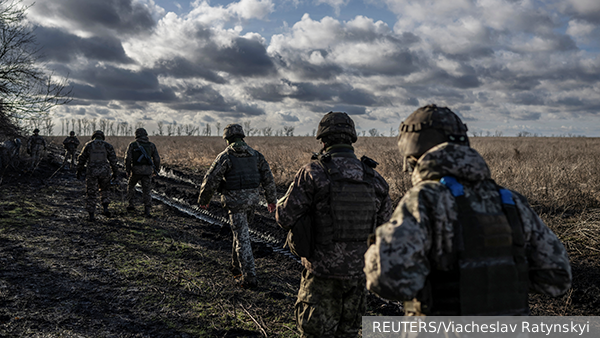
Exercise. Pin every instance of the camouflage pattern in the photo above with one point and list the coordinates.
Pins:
(341, 260)
(241, 255)
(9, 152)
(97, 174)
(336, 123)
(35, 145)
(421, 230)
(328, 307)
(239, 203)
(70, 144)
(233, 130)
(141, 173)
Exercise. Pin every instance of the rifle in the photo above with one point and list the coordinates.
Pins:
(145, 154)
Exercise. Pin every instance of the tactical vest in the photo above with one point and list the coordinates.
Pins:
(138, 155)
(490, 275)
(98, 152)
(243, 174)
(353, 205)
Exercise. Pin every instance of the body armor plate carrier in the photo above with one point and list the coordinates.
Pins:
(490, 274)
(98, 152)
(244, 174)
(352, 202)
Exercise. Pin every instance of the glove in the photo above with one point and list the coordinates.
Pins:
(271, 207)
(205, 207)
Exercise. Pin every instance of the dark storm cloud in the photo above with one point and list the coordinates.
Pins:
(244, 57)
(106, 93)
(401, 62)
(63, 47)
(350, 110)
(527, 116)
(119, 78)
(528, 98)
(304, 91)
(182, 68)
(123, 16)
(289, 117)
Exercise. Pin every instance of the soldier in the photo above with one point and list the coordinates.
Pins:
(100, 158)
(70, 144)
(35, 145)
(346, 199)
(457, 243)
(237, 173)
(10, 152)
(141, 162)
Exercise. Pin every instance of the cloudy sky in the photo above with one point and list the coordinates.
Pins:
(505, 65)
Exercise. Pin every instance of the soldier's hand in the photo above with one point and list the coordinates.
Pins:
(271, 207)
(205, 207)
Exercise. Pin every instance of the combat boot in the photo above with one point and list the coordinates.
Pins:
(147, 212)
(249, 282)
(105, 212)
(91, 217)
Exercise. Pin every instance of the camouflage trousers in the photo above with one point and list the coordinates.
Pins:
(36, 156)
(329, 307)
(93, 184)
(70, 155)
(241, 255)
(146, 181)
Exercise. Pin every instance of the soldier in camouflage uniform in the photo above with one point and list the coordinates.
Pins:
(237, 173)
(35, 145)
(9, 152)
(457, 243)
(70, 144)
(141, 162)
(100, 158)
(346, 199)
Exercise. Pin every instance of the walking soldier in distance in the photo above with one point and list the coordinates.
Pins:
(458, 243)
(344, 199)
(35, 145)
(237, 173)
(141, 162)
(99, 157)
(70, 144)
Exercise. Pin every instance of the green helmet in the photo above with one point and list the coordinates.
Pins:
(98, 134)
(427, 127)
(72, 133)
(336, 123)
(140, 132)
(232, 130)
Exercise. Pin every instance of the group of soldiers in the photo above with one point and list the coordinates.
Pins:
(456, 244)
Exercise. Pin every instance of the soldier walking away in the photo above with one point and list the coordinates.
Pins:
(35, 145)
(237, 173)
(345, 199)
(100, 158)
(458, 243)
(70, 144)
(141, 162)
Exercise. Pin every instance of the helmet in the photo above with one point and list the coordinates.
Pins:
(72, 133)
(232, 130)
(336, 123)
(140, 132)
(427, 127)
(36, 130)
(98, 134)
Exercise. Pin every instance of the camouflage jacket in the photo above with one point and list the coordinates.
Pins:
(420, 231)
(102, 169)
(71, 143)
(35, 141)
(344, 260)
(141, 169)
(243, 199)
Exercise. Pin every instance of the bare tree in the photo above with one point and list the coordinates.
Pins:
(218, 126)
(86, 126)
(267, 131)
(179, 129)
(28, 90)
(93, 124)
(170, 129)
(373, 132)
(48, 126)
(159, 126)
(207, 130)
(288, 130)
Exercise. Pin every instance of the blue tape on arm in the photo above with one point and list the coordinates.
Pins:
(455, 188)
(506, 196)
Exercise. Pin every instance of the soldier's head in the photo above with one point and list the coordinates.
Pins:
(36, 131)
(72, 133)
(336, 128)
(140, 132)
(233, 131)
(98, 134)
(427, 127)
